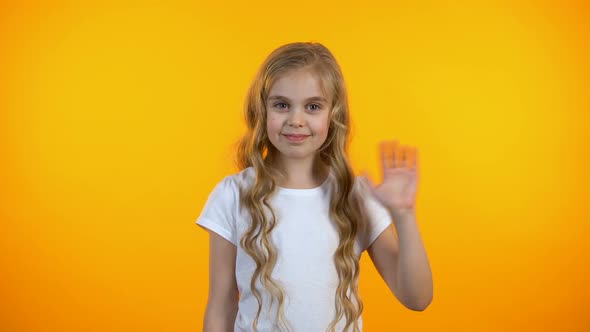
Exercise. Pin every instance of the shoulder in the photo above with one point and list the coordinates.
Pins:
(360, 187)
(238, 181)
(244, 177)
(232, 181)
(230, 186)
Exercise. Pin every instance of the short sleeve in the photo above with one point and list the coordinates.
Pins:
(218, 214)
(379, 217)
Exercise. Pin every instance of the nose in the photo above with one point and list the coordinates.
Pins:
(296, 118)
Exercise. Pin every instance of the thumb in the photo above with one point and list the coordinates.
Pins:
(366, 178)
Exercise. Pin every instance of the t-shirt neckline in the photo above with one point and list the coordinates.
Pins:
(307, 191)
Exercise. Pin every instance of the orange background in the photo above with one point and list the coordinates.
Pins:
(117, 120)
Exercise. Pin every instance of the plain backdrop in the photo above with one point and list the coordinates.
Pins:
(118, 118)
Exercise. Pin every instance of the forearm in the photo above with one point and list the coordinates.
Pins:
(221, 320)
(414, 276)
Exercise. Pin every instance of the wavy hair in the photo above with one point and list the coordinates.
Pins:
(255, 150)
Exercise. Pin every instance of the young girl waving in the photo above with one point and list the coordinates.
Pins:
(287, 231)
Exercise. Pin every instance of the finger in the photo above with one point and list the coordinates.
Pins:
(409, 157)
(383, 155)
(404, 156)
(394, 154)
(367, 179)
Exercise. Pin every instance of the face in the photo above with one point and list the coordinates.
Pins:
(296, 106)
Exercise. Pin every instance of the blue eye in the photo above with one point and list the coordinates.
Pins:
(319, 107)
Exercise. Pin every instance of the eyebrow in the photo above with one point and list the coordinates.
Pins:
(318, 98)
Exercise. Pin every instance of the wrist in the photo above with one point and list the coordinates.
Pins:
(402, 215)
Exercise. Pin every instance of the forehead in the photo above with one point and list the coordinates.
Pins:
(297, 85)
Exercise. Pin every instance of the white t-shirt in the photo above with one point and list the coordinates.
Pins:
(306, 241)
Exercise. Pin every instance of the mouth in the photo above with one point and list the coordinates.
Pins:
(296, 138)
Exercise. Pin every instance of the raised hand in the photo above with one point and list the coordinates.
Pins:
(398, 189)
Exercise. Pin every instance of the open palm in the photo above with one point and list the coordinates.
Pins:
(398, 189)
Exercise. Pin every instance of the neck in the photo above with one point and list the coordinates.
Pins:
(301, 173)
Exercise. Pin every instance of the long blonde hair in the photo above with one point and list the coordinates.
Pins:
(255, 150)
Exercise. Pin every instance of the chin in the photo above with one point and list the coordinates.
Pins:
(296, 154)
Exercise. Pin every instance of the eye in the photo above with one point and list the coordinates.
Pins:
(275, 105)
(318, 107)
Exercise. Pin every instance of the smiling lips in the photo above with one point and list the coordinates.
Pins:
(295, 138)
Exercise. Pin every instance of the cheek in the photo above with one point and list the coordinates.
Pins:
(272, 125)
(322, 127)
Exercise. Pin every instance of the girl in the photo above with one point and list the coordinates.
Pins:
(288, 230)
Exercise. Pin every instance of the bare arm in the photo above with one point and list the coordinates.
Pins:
(222, 302)
(414, 277)
(403, 263)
